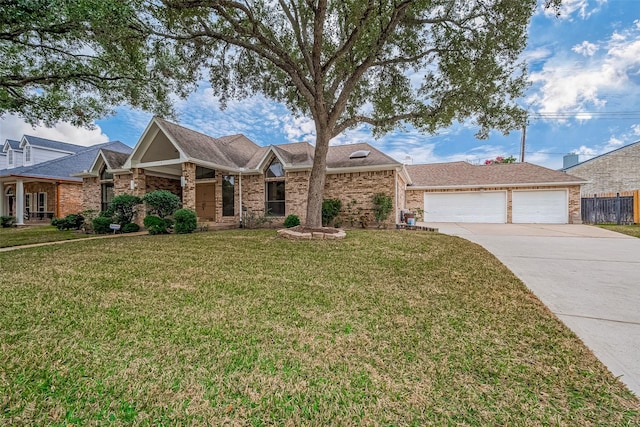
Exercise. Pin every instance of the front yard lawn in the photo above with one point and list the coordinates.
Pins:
(17, 236)
(631, 230)
(243, 328)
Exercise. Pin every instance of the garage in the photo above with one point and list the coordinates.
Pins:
(478, 206)
(539, 207)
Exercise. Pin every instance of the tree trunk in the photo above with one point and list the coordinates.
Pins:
(318, 177)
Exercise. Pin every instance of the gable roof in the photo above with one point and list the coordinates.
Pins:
(115, 159)
(51, 144)
(11, 143)
(463, 174)
(624, 148)
(63, 168)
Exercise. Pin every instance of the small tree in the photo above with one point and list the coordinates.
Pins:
(124, 208)
(382, 206)
(186, 221)
(161, 203)
(330, 210)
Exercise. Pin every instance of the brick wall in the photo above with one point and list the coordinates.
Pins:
(296, 189)
(189, 190)
(122, 184)
(42, 187)
(415, 198)
(91, 194)
(160, 183)
(71, 198)
(614, 172)
(253, 193)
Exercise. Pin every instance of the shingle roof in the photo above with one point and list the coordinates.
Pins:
(54, 145)
(459, 174)
(338, 156)
(115, 159)
(13, 144)
(65, 167)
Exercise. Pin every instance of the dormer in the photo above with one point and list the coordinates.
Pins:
(13, 154)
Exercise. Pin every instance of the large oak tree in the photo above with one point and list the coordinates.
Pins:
(74, 60)
(386, 63)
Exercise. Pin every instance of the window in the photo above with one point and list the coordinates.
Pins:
(104, 174)
(27, 154)
(205, 173)
(228, 195)
(275, 189)
(42, 202)
(107, 196)
(275, 169)
(10, 157)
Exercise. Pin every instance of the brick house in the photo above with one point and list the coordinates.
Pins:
(617, 171)
(36, 183)
(224, 179)
(498, 193)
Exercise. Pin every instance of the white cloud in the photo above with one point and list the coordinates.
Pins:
(635, 129)
(585, 48)
(568, 86)
(583, 8)
(13, 127)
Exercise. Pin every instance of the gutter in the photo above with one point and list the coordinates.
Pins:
(536, 184)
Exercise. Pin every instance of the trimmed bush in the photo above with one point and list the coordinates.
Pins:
(71, 221)
(7, 221)
(186, 221)
(124, 208)
(330, 210)
(161, 203)
(156, 225)
(101, 225)
(291, 221)
(130, 228)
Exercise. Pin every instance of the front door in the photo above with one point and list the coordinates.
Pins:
(206, 201)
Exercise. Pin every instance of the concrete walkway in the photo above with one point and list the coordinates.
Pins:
(587, 276)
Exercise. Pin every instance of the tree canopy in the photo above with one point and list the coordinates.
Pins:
(75, 60)
(424, 63)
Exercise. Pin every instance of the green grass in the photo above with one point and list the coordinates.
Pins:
(631, 230)
(244, 328)
(17, 236)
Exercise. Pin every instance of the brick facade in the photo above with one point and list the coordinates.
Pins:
(70, 198)
(91, 197)
(189, 190)
(613, 172)
(415, 198)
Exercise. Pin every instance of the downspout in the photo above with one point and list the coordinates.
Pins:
(240, 192)
(57, 199)
(395, 176)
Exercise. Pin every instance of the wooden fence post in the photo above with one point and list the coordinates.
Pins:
(636, 206)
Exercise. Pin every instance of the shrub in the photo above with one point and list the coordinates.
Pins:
(291, 221)
(330, 210)
(7, 221)
(101, 224)
(130, 228)
(186, 221)
(124, 208)
(71, 221)
(382, 206)
(156, 225)
(161, 203)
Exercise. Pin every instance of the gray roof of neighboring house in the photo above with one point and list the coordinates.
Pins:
(53, 145)
(13, 144)
(460, 174)
(65, 167)
(633, 145)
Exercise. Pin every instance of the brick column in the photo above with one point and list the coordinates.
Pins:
(189, 187)
(139, 183)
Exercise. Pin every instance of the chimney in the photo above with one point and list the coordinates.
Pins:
(569, 160)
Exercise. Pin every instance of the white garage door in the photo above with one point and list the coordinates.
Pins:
(481, 206)
(535, 207)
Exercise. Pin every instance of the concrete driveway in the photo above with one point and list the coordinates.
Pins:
(587, 276)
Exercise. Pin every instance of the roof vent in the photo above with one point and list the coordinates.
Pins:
(360, 154)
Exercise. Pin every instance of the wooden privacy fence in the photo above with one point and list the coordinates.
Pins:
(612, 208)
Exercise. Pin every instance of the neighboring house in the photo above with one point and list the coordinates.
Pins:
(614, 172)
(498, 193)
(44, 186)
(224, 179)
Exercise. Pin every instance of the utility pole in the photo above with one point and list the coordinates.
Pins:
(523, 142)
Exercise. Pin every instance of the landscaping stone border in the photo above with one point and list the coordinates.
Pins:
(289, 233)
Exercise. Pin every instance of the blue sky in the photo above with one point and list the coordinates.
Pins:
(584, 68)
